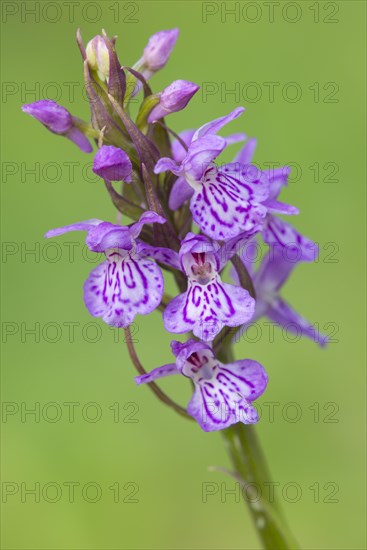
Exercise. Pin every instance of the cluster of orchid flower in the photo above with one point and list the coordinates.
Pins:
(169, 182)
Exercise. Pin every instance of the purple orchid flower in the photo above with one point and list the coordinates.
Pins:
(181, 190)
(174, 98)
(58, 120)
(223, 393)
(225, 201)
(112, 164)
(208, 304)
(276, 231)
(126, 283)
(272, 274)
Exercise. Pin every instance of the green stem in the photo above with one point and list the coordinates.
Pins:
(251, 469)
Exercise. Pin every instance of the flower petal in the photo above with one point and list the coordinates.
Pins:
(159, 48)
(277, 232)
(52, 115)
(108, 235)
(213, 409)
(166, 164)
(172, 99)
(273, 272)
(200, 155)
(180, 192)
(179, 152)
(182, 351)
(118, 290)
(112, 164)
(199, 244)
(160, 372)
(215, 125)
(228, 204)
(277, 207)
(76, 136)
(241, 245)
(80, 226)
(160, 254)
(235, 138)
(207, 309)
(246, 376)
(284, 316)
(277, 178)
(147, 217)
(247, 152)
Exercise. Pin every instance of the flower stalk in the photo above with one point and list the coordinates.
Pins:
(251, 470)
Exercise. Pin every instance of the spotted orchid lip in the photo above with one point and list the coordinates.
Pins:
(223, 393)
(126, 283)
(209, 303)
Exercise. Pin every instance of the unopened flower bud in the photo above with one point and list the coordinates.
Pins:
(174, 98)
(58, 120)
(112, 164)
(159, 48)
(98, 57)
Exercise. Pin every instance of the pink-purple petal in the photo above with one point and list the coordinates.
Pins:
(213, 408)
(166, 164)
(277, 207)
(278, 178)
(235, 138)
(284, 316)
(119, 290)
(178, 151)
(108, 235)
(274, 271)
(181, 191)
(248, 377)
(76, 136)
(215, 125)
(155, 374)
(147, 217)
(80, 226)
(246, 154)
(201, 154)
(228, 204)
(278, 233)
(112, 164)
(205, 310)
(163, 255)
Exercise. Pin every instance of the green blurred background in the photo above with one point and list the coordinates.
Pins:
(315, 440)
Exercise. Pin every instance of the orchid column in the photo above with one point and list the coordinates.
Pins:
(191, 218)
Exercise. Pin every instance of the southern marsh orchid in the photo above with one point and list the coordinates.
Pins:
(208, 304)
(225, 201)
(190, 217)
(223, 393)
(126, 283)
